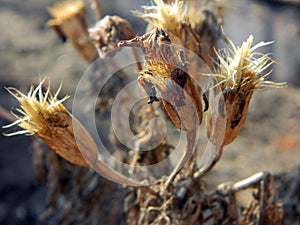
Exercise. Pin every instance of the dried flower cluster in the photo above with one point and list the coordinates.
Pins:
(176, 30)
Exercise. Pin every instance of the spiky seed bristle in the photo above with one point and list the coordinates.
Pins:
(165, 15)
(36, 109)
(244, 68)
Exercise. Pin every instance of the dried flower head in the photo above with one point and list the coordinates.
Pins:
(108, 32)
(70, 22)
(167, 15)
(42, 114)
(240, 72)
(243, 68)
(180, 19)
(165, 66)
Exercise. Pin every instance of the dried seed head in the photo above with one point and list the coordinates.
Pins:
(70, 22)
(161, 58)
(42, 114)
(170, 15)
(165, 70)
(240, 72)
(108, 32)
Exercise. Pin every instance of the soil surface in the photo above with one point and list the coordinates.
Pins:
(29, 50)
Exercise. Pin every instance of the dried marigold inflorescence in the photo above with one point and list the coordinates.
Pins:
(43, 115)
(239, 72)
(166, 69)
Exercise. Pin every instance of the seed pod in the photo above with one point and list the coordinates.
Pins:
(108, 32)
(70, 22)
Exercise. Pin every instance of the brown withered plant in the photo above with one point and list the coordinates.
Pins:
(177, 31)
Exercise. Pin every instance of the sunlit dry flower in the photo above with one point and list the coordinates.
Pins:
(70, 22)
(240, 71)
(43, 115)
(169, 16)
(193, 24)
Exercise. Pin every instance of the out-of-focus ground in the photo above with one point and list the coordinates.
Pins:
(29, 50)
